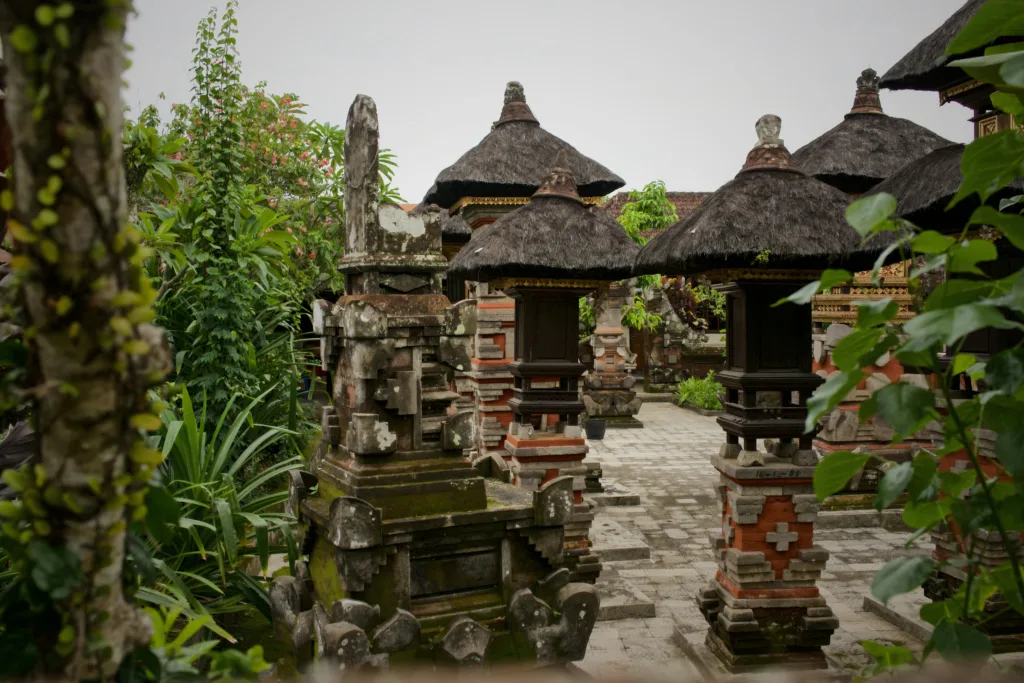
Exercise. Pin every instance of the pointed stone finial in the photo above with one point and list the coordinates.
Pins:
(362, 188)
(514, 92)
(867, 101)
(560, 181)
(770, 152)
(516, 108)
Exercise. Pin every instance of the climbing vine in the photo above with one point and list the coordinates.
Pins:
(92, 352)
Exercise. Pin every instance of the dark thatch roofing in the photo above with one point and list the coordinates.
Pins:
(770, 206)
(554, 236)
(924, 67)
(511, 161)
(868, 146)
(923, 188)
(453, 228)
(684, 202)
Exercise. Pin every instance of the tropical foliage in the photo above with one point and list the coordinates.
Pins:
(702, 393)
(976, 402)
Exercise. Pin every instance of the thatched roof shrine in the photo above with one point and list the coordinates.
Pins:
(770, 208)
(924, 67)
(512, 160)
(555, 236)
(868, 146)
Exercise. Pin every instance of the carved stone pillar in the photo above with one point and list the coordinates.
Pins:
(608, 387)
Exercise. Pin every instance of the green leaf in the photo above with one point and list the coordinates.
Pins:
(962, 361)
(873, 313)
(887, 657)
(835, 471)
(955, 483)
(227, 529)
(829, 395)
(918, 515)
(958, 642)
(1010, 449)
(893, 484)
(851, 348)
(1011, 225)
(989, 164)
(162, 513)
(964, 258)
(1005, 372)
(23, 39)
(54, 570)
(1000, 68)
(994, 19)
(952, 293)
(905, 407)
(830, 278)
(900, 576)
(950, 325)
(942, 611)
(45, 15)
(931, 242)
(869, 214)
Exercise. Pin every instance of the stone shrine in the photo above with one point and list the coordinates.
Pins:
(536, 255)
(763, 605)
(415, 553)
(608, 386)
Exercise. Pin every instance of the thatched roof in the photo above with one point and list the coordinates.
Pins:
(769, 207)
(512, 160)
(554, 236)
(924, 67)
(924, 188)
(453, 228)
(868, 146)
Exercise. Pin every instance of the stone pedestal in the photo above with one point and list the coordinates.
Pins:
(608, 386)
(1006, 631)
(763, 605)
(411, 552)
(489, 378)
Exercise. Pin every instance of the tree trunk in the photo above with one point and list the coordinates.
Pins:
(92, 354)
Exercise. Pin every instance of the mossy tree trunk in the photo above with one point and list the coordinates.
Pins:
(93, 355)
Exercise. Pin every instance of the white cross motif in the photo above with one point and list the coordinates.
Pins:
(781, 537)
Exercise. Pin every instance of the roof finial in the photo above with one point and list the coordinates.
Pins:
(516, 108)
(866, 100)
(769, 152)
(514, 92)
(560, 181)
(768, 128)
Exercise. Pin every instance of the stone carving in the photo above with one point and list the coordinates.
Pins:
(608, 386)
(562, 640)
(399, 524)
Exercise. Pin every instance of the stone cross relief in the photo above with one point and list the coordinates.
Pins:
(781, 537)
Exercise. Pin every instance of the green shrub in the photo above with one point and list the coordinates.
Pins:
(702, 393)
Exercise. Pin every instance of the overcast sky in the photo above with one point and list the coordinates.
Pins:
(652, 89)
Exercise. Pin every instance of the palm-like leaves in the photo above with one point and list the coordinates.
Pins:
(221, 523)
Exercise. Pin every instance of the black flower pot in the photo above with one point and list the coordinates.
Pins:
(595, 429)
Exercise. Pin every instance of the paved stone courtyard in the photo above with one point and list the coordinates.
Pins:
(666, 464)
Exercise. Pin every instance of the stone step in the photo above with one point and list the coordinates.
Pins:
(622, 601)
(614, 494)
(612, 542)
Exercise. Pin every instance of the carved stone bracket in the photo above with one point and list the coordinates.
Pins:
(561, 641)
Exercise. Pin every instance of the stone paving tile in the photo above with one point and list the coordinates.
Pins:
(667, 464)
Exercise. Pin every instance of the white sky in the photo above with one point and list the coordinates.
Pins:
(652, 89)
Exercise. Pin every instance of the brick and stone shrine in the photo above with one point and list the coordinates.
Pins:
(415, 553)
(545, 255)
(865, 148)
(493, 178)
(760, 238)
(608, 392)
(923, 190)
